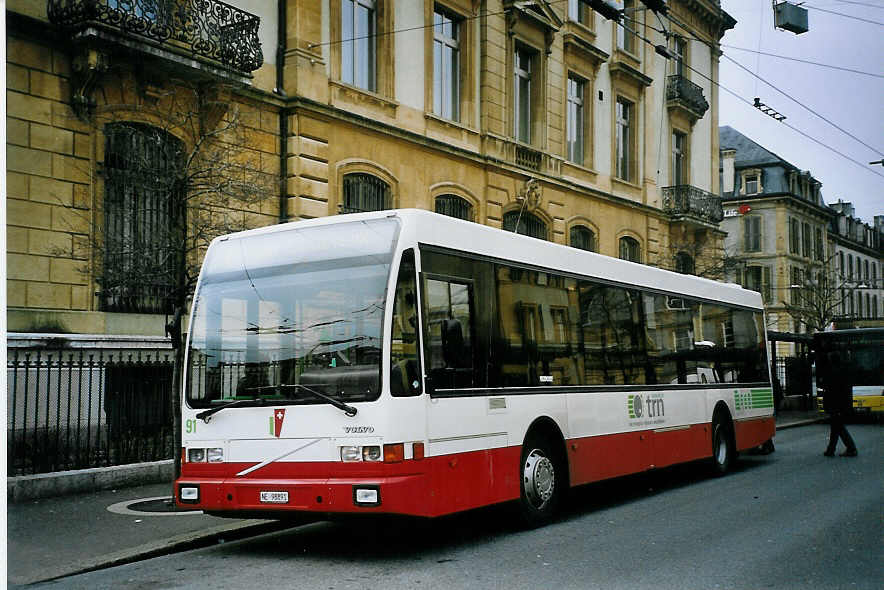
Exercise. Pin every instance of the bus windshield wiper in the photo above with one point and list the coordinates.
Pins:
(346, 408)
(206, 415)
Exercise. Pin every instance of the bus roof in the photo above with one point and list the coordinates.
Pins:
(425, 227)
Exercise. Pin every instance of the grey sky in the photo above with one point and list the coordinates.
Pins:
(852, 101)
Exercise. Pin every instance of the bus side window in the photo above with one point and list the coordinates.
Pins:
(449, 313)
(405, 372)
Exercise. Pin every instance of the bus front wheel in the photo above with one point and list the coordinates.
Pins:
(542, 481)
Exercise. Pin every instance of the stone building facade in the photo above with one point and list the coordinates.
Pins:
(541, 117)
(784, 241)
(858, 250)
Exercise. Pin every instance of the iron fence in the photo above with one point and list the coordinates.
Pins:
(77, 409)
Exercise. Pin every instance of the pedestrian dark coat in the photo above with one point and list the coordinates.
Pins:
(838, 395)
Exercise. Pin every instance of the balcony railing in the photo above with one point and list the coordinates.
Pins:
(205, 28)
(528, 158)
(687, 200)
(682, 92)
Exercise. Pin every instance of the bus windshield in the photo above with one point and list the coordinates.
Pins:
(303, 307)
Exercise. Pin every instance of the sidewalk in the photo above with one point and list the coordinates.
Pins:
(55, 537)
(61, 536)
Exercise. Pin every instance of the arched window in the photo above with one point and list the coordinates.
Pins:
(144, 218)
(524, 223)
(630, 249)
(684, 263)
(365, 192)
(454, 206)
(583, 238)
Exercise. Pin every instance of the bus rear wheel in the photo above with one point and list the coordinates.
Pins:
(723, 447)
(542, 482)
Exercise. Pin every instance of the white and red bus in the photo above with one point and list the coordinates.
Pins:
(405, 362)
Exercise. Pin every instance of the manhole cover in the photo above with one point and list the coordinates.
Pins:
(157, 505)
(160, 506)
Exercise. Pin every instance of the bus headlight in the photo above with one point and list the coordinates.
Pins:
(350, 454)
(215, 455)
(371, 453)
(196, 455)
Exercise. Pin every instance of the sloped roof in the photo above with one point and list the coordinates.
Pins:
(749, 153)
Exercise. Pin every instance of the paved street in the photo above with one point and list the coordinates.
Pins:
(794, 519)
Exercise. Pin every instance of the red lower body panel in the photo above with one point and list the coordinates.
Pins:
(751, 433)
(435, 486)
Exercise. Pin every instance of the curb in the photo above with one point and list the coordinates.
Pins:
(185, 542)
(798, 423)
(62, 483)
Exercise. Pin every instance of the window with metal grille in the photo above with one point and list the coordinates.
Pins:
(630, 249)
(364, 192)
(454, 206)
(582, 238)
(524, 223)
(144, 218)
(684, 263)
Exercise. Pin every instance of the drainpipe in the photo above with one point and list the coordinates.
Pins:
(281, 23)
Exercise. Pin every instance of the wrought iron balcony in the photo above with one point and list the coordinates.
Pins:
(681, 92)
(685, 200)
(204, 28)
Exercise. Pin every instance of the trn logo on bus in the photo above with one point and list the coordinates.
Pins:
(650, 406)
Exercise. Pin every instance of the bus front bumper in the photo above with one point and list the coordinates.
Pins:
(388, 495)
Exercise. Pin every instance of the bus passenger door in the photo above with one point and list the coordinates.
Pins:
(461, 429)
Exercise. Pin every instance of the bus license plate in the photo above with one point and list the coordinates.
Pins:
(275, 497)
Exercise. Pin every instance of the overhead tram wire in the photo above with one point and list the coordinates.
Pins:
(841, 14)
(853, 2)
(743, 99)
(799, 103)
(786, 94)
(836, 126)
(813, 63)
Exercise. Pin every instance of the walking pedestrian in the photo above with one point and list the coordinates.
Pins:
(838, 403)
